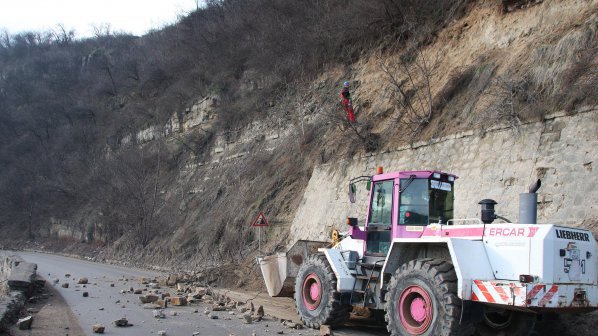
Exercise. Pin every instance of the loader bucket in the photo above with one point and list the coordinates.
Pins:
(280, 270)
(274, 271)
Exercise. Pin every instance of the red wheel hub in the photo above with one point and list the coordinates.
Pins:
(415, 310)
(311, 291)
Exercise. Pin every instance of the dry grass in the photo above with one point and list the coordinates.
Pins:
(555, 67)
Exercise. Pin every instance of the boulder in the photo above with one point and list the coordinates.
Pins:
(98, 328)
(122, 322)
(83, 281)
(172, 280)
(191, 300)
(25, 323)
(293, 325)
(85, 294)
(260, 311)
(178, 301)
(148, 298)
(159, 313)
(137, 291)
(65, 285)
(151, 306)
(218, 308)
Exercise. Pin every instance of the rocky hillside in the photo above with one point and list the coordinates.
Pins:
(170, 164)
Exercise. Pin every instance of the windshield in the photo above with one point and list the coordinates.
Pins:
(424, 201)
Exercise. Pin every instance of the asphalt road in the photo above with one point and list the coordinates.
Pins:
(106, 304)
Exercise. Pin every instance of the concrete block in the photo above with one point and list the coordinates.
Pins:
(22, 275)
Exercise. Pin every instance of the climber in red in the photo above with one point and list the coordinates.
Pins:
(347, 102)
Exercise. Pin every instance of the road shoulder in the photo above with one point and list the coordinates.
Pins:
(51, 316)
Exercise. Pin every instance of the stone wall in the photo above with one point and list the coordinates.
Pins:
(499, 164)
(17, 278)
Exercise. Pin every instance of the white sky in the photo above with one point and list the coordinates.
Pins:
(130, 16)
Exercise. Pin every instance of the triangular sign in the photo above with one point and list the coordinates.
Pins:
(260, 220)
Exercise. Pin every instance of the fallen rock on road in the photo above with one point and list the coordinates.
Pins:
(122, 322)
(25, 323)
(98, 328)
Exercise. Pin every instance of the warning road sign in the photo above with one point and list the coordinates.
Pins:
(260, 220)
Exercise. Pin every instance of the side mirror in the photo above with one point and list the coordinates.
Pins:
(368, 185)
(352, 192)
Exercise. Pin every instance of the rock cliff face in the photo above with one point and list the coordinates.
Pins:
(499, 164)
(294, 161)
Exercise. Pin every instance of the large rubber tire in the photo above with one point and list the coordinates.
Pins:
(316, 297)
(502, 322)
(422, 300)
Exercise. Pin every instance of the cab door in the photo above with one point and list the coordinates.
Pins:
(380, 218)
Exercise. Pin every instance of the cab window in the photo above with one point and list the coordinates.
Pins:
(414, 202)
(381, 207)
(424, 201)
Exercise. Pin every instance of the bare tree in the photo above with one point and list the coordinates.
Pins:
(410, 81)
(62, 35)
(506, 100)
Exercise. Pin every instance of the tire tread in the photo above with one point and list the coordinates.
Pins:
(442, 275)
(334, 313)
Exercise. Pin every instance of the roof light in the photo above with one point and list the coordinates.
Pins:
(379, 170)
(436, 175)
(451, 178)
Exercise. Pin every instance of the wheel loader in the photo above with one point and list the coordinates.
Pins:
(428, 273)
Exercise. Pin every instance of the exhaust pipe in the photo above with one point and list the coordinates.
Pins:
(528, 204)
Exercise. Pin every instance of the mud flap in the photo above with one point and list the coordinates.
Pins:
(471, 312)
